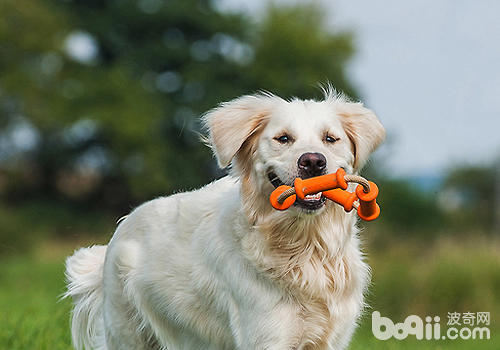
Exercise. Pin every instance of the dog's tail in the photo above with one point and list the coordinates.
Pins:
(84, 279)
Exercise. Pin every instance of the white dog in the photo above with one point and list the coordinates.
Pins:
(219, 268)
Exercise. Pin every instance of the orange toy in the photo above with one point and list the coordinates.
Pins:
(333, 186)
(320, 183)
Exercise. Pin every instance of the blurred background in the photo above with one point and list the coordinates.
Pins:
(99, 107)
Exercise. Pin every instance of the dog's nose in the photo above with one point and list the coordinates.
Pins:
(311, 164)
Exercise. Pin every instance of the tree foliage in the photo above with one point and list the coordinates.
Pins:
(121, 124)
(473, 193)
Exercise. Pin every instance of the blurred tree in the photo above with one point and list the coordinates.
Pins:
(109, 91)
(469, 195)
(294, 51)
(407, 209)
(83, 120)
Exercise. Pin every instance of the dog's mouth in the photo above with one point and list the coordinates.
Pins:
(310, 203)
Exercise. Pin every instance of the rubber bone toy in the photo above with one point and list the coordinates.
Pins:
(334, 187)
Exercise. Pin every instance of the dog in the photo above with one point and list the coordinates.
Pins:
(218, 267)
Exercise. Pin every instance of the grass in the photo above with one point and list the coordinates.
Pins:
(32, 317)
(408, 278)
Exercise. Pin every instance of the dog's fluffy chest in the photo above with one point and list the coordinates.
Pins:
(324, 283)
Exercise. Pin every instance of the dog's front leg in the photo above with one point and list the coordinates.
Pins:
(277, 328)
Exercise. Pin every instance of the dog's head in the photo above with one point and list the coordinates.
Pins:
(268, 141)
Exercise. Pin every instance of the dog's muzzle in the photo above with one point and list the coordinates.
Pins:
(310, 203)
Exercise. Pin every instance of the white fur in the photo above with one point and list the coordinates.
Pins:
(84, 275)
(218, 268)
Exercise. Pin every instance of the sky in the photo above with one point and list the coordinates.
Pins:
(431, 72)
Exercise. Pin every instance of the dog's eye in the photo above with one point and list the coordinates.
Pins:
(283, 139)
(330, 139)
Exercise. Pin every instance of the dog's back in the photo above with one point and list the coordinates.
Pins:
(114, 314)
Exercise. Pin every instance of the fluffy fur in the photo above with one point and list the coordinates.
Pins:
(218, 268)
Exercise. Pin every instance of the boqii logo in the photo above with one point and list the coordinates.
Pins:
(468, 325)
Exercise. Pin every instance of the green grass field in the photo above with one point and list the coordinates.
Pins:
(420, 280)
(32, 317)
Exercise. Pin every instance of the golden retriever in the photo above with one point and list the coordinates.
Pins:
(219, 268)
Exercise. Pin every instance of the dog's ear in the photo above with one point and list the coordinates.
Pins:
(363, 129)
(234, 122)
